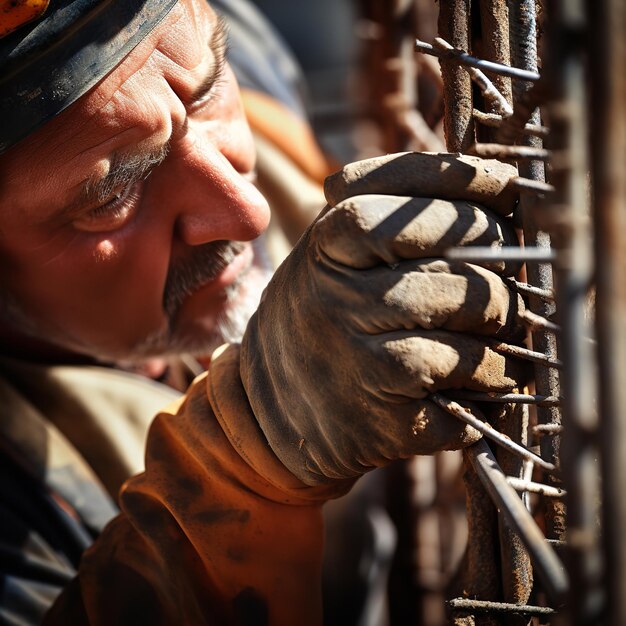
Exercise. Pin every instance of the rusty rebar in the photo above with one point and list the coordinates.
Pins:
(462, 58)
(527, 185)
(525, 104)
(489, 431)
(547, 429)
(515, 567)
(536, 322)
(479, 606)
(453, 23)
(547, 565)
(488, 89)
(493, 120)
(533, 487)
(495, 46)
(524, 353)
(531, 290)
(502, 398)
(526, 98)
(508, 153)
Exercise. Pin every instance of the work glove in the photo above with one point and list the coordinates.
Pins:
(365, 318)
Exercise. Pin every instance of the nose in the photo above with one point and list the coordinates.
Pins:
(210, 192)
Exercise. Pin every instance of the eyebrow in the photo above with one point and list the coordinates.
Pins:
(218, 44)
(125, 171)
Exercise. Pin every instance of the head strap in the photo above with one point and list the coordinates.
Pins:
(49, 63)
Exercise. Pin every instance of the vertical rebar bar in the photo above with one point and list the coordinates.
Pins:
(494, 19)
(453, 23)
(572, 238)
(608, 150)
(522, 15)
(515, 566)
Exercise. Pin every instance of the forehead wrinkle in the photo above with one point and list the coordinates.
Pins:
(85, 113)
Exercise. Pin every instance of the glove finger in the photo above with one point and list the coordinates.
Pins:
(447, 176)
(434, 429)
(391, 431)
(412, 364)
(431, 294)
(364, 231)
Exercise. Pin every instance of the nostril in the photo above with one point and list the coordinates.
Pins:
(236, 211)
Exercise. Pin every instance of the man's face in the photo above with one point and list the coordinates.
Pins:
(116, 217)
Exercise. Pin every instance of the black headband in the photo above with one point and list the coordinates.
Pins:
(48, 64)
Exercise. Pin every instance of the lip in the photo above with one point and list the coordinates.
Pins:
(239, 264)
(230, 273)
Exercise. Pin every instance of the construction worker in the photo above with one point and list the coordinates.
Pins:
(127, 216)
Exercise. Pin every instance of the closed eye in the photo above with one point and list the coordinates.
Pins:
(207, 90)
(113, 214)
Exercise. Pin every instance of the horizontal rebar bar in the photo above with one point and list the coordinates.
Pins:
(525, 353)
(479, 253)
(527, 185)
(487, 88)
(530, 290)
(520, 484)
(508, 153)
(466, 604)
(546, 563)
(493, 120)
(536, 322)
(466, 59)
(489, 431)
(504, 398)
(547, 429)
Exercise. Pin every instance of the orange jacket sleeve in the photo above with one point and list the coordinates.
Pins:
(215, 531)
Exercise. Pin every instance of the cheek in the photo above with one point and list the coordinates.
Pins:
(102, 292)
(125, 271)
(105, 251)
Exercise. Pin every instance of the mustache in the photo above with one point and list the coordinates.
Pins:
(204, 265)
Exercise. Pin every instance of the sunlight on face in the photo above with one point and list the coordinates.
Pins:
(118, 216)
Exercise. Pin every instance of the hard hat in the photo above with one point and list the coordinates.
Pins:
(54, 51)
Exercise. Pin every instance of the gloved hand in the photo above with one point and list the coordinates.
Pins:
(364, 318)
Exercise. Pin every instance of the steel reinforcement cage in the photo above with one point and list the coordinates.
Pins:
(548, 481)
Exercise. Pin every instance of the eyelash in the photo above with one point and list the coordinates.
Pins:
(117, 211)
(115, 204)
(216, 89)
(210, 97)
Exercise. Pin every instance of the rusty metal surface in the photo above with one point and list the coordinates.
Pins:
(480, 606)
(515, 565)
(461, 57)
(494, 20)
(573, 444)
(501, 437)
(480, 571)
(454, 18)
(524, 55)
(547, 565)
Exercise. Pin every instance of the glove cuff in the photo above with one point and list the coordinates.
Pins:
(234, 413)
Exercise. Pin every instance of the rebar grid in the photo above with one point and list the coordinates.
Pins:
(557, 239)
(572, 260)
